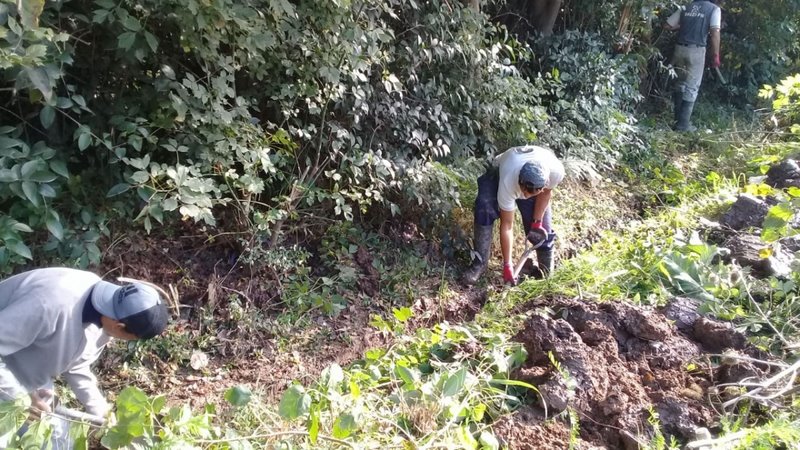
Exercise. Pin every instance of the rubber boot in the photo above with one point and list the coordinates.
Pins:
(530, 270)
(683, 116)
(483, 246)
(544, 256)
(677, 98)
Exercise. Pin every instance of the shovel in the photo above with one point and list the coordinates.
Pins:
(62, 412)
(535, 239)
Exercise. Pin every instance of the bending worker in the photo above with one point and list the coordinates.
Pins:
(525, 177)
(57, 321)
(694, 24)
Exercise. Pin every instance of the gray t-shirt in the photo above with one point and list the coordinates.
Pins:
(42, 334)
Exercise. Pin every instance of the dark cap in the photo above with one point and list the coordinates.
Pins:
(535, 174)
(136, 305)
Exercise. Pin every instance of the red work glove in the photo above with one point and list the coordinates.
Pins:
(715, 61)
(537, 225)
(508, 273)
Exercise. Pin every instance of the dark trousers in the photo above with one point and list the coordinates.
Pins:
(487, 210)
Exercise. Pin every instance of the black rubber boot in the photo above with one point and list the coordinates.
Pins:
(530, 270)
(483, 246)
(544, 256)
(683, 116)
(677, 98)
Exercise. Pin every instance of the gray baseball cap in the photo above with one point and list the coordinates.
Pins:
(534, 173)
(136, 305)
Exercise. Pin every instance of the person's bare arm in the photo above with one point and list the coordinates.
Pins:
(506, 234)
(674, 21)
(715, 43)
(542, 202)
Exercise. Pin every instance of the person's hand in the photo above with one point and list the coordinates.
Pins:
(40, 402)
(537, 225)
(508, 274)
(715, 61)
(536, 236)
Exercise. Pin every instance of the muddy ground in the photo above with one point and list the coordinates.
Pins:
(620, 362)
(261, 348)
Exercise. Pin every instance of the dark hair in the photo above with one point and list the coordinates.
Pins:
(528, 187)
(148, 323)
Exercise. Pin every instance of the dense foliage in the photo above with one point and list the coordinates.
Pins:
(272, 113)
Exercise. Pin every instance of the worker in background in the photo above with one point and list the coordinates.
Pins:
(695, 24)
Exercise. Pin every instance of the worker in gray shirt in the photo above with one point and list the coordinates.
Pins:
(695, 23)
(56, 321)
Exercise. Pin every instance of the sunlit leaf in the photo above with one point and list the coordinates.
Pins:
(238, 395)
(294, 403)
(455, 383)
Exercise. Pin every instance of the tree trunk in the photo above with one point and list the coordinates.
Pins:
(475, 4)
(545, 13)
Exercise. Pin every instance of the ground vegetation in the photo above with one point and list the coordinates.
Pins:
(299, 177)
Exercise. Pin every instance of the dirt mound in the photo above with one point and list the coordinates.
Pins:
(617, 363)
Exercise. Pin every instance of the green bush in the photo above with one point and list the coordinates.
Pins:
(590, 95)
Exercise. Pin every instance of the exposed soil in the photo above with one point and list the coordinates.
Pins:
(621, 361)
(263, 351)
(253, 350)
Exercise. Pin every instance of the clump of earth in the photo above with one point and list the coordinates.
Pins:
(619, 364)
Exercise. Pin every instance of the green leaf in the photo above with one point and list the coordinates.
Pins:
(29, 12)
(168, 72)
(782, 211)
(455, 383)
(54, 225)
(402, 314)
(140, 176)
(59, 167)
(47, 191)
(100, 15)
(40, 80)
(79, 100)
(407, 375)
(47, 115)
(793, 191)
(19, 226)
(134, 418)
(478, 412)
(344, 426)
(84, 140)
(238, 395)
(170, 204)
(294, 403)
(19, 248)
(374, 354)
(332, 376)
(118, 189)
(131, 23)
(151, 41)
(29, 168)
(190, 210)
(31, 191)
(8, 176)
(313, 427)
(63, 102)
(42, 176)
(125, 40)
(9, 143)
